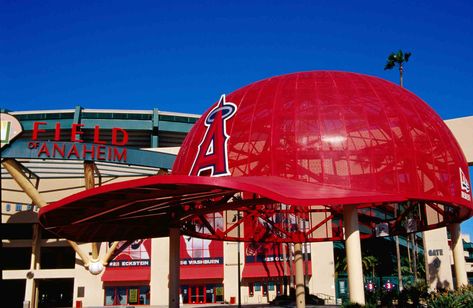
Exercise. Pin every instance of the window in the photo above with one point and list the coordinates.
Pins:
(8, 207)
(17, 231)
(80, 291)
(135, 295)
(18, 207)
(197, 248)
(257, 286)
(279, 287)
(57, 257)
(180, 119)
(14, 258)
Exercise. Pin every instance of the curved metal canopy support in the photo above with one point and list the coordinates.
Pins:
(271, 207)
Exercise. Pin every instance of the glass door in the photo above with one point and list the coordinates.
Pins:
(197, 295)
(209, 293)
(202, 294)
(185, 294)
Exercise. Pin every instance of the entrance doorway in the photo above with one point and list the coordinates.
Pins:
(55, 292)
(202, 293)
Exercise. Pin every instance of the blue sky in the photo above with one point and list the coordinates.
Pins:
(181, 55)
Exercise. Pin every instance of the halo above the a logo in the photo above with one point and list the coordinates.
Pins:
(226, 110)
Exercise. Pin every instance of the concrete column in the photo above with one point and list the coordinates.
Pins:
(230, 270)
(35, 248)
(353, 251)
(174, 262)
(285, 270)
(438, 269)
(159, 272)
(458, 255)
(30, 292)
(299, 268)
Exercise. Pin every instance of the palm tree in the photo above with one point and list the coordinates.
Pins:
(369, 264)
(397, 58)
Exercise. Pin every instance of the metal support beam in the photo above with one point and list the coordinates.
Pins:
(353, 251)
(458, 255)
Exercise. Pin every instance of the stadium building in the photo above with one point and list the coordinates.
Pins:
(62, 152)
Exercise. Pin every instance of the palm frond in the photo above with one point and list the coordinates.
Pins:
(398, 57)
(392, 57)
(407, 56)
(389, 65)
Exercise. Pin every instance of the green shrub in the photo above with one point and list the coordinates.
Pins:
(460, 298)
(413, 294)
(351, 305)
(356, 305)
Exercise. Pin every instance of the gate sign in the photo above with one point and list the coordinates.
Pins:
(10, 128)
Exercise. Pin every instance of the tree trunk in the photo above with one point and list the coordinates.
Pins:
(398, 255)
(408, 240)
(414, 248)
(401, 81)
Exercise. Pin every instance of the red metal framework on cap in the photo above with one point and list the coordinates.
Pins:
(298, 147)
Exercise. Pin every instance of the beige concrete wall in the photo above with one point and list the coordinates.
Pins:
(258, 297)
(322, 281)
(159, 271)
(462, 129)
(93, 291)
(437, 259)
(230, 269)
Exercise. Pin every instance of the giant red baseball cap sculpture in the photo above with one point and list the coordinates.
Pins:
(281, 157)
